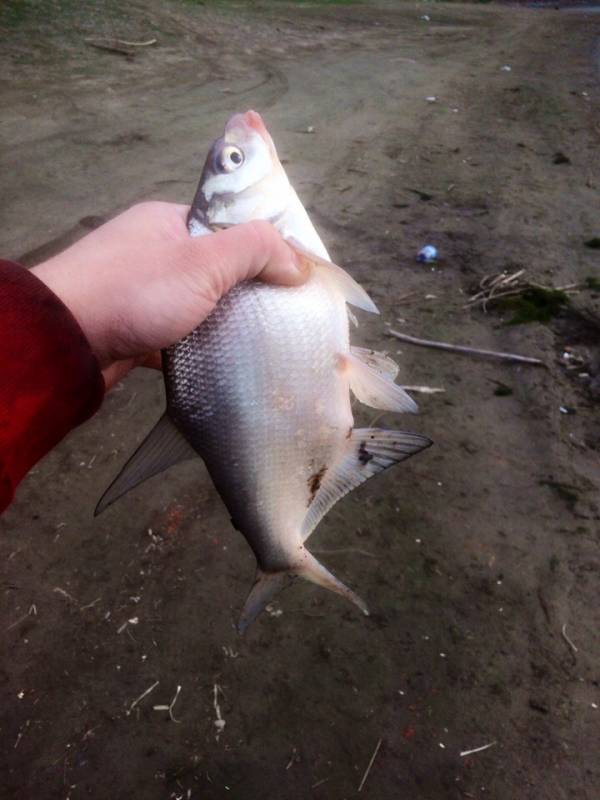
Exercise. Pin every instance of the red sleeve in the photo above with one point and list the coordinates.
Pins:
(50, 380)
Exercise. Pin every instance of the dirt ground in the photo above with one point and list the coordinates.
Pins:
(472, 556)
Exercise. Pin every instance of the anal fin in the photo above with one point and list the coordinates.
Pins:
(369, 451)
(373, 386)
(162, 448)
(379, 362)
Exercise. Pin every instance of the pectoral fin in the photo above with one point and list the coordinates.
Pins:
(162, 448)
(373, 387)
(343, 282)
(368, 452)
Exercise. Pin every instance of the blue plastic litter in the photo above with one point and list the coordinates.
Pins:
(427, 254)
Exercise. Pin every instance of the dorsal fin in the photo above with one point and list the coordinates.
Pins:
(368, 452)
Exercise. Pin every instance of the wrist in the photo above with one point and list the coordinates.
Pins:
(65, 282)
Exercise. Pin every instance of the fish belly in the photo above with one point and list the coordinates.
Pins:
(258, 393)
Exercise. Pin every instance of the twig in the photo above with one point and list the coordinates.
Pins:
(320, 783)
(173, 701)
(21, 734)
(132, 621)
(496, 287)
(404, 297)
(368, 769)
(138, 44)
(111, 48)
(90, 605)
(219, 722)
(567, 287)
(340, 550)
(477, 749)
(141, 697)
(91, 39)
(423, 389)
(64, 593)
(566, 638)
(32, 611)
(472, 351)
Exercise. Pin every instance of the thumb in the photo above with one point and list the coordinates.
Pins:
(253, 250)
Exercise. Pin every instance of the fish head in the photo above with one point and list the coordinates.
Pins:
(242, 178)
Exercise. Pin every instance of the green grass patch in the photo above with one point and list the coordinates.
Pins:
(592, 283)
(14, 13)
(535, 304)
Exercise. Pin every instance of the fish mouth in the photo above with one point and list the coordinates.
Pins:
(248, 122)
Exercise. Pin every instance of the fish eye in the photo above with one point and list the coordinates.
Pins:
(230, 158)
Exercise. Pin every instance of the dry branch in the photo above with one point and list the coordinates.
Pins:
(370, 764)
(503, 284)
(471, 351)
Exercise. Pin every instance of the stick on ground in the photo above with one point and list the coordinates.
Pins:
(111, 48)
(141, 697)
(424, 389)
(107, 43)
(566, 638)
(477, 749)
(471, 351)
(370, 764)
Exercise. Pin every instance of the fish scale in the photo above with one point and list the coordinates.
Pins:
(225, 398)
(261, 389)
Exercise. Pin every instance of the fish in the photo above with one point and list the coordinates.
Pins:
(261, 390)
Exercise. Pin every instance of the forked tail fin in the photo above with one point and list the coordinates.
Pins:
(268, 584)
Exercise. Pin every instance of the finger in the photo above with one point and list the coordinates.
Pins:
(116, 372)
(181, 210)
(244, 252)
(152, 361)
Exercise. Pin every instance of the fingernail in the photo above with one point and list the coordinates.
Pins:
(299, 261)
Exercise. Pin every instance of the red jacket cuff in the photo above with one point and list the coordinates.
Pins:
(50, 380)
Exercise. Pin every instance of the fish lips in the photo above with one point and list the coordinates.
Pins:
(247, 123)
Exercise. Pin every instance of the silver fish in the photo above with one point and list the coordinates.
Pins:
(261, 389)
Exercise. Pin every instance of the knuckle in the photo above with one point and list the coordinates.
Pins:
(263, 237)
(143, 208)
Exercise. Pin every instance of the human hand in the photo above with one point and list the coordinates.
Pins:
(140, 282)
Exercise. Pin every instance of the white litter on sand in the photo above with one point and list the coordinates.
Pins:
(141, 697)
(219, 721)
(477, 749)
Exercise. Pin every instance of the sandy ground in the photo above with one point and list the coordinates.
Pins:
(472, 556)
